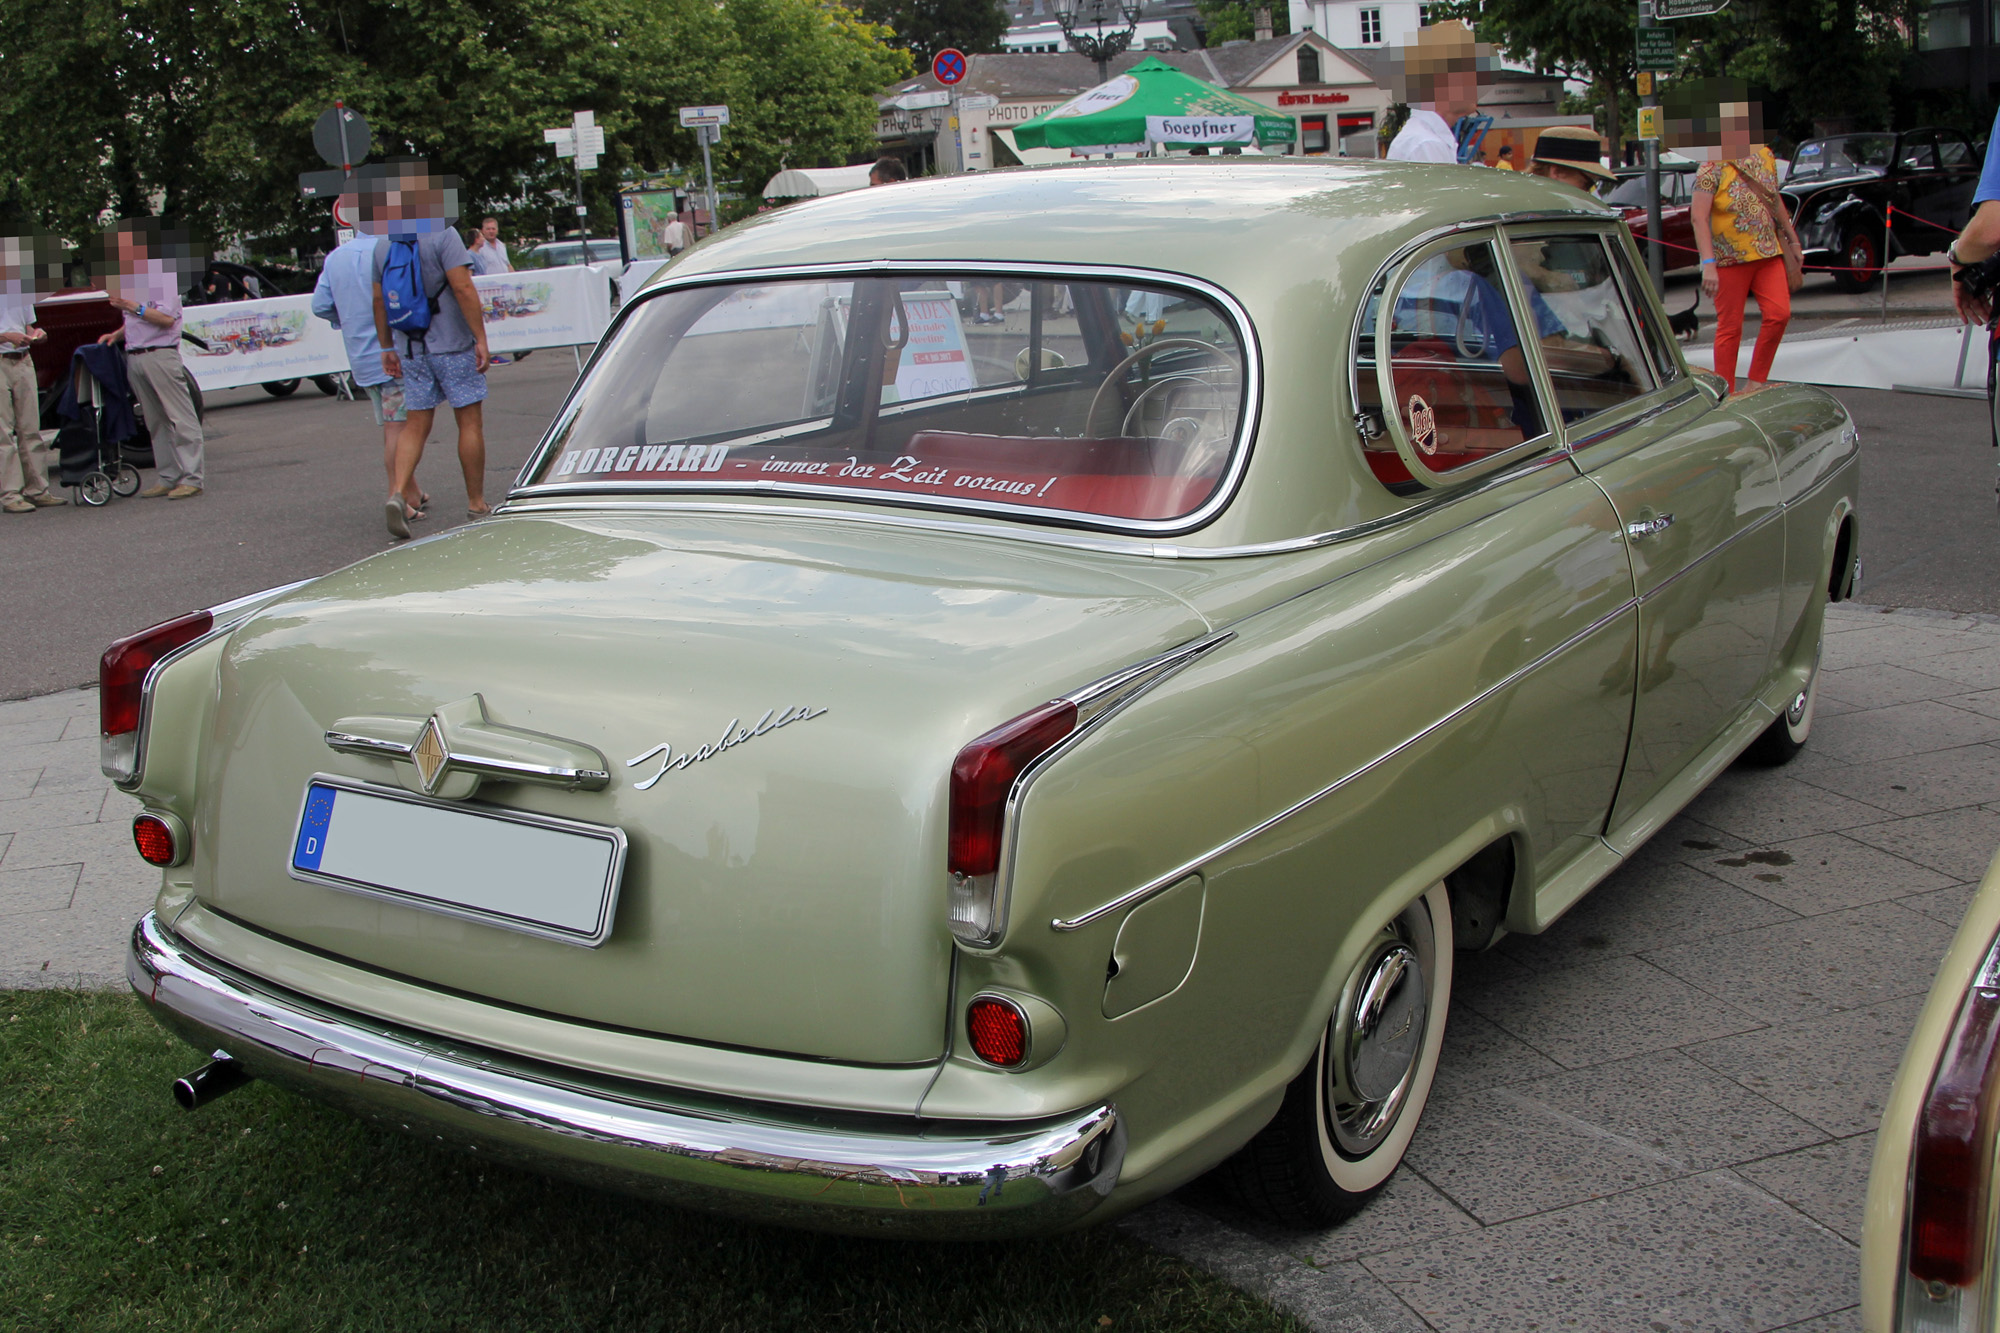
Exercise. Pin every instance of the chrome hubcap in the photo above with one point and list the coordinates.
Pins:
(1378, 1037)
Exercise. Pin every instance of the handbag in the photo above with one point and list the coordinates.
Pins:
(1781, 221)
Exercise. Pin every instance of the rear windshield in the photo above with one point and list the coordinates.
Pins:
(1096, 399)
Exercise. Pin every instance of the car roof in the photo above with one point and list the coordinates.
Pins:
(1250, 226)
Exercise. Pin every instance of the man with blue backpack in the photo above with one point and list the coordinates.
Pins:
(427, 316)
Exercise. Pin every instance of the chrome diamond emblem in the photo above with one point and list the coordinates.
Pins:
(429, 756)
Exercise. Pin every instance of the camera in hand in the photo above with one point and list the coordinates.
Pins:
(1980, 279)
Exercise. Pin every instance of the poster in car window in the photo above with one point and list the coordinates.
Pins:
(935, 360)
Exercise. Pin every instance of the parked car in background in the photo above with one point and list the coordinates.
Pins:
(557, 254)
(889, 773)
(1927, 1246)
(1676, 224)
(1841, 190)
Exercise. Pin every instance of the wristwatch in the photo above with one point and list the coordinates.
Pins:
(1951, 253)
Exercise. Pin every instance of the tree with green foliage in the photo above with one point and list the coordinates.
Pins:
(1816, 60)
(927, 27)
(1236, 20)
(203, 110)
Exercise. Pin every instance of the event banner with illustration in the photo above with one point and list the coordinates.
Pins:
(279, 338)
(545, 307)
(256, 342)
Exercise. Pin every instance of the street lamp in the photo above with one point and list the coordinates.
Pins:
(1092, 29)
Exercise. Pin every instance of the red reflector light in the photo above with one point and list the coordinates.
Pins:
(999, 1031)
(122, 672)
(154, 840)
(1947, 1175)
(983, 775)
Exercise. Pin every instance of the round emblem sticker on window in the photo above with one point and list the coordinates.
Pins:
(1423, 425)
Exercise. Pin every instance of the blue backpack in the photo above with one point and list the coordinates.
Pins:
(403, 297)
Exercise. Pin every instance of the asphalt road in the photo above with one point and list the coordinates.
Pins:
(295, 488)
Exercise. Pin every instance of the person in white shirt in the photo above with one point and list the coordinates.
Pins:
(489, 253)
(1438, 75)
(674, 235)
(27, 266)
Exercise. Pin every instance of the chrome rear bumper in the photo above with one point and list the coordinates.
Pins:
(876, 1176)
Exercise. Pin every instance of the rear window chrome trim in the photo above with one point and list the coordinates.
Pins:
(1226, 486)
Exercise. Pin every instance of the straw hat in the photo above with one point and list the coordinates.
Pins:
(1575, 147)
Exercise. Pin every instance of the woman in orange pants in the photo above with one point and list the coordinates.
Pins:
(1737, 234)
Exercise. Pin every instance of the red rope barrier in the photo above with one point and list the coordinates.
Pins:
(1810, 268)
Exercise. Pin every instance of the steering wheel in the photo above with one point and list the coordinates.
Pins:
(1167, 391)
(1145, 353)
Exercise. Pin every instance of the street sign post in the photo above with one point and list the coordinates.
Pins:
(583, 141)
(707, 123)
(948, 67)
(1687, 9)
(343, 141)
(1649, 122)
(1656, 50)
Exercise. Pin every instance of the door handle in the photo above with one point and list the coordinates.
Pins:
(1646, 527)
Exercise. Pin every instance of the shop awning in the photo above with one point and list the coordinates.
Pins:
(812, 182)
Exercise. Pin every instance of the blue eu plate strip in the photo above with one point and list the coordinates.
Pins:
(313, 825)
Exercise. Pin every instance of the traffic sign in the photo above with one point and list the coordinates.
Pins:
(1649, 121)
(1656, 50)
(949, 65)
(582, 139)
(693, 116)
(1687, 9)
(341, 136)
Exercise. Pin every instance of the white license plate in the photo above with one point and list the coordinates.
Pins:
(551, 877)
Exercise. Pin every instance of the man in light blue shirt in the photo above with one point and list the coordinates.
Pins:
(344, 297)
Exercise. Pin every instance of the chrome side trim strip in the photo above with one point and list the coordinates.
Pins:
(369, 745)
(1165, 881)
(878, 1175)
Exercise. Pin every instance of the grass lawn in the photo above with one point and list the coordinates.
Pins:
(119, 1211)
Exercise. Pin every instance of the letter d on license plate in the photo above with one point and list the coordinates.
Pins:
(534, 873)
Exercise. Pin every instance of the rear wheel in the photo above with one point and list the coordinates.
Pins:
(1786, 736)
(125, 481)
(1347, 1119)
(327, 384)
(1860, 262)
(281, 388)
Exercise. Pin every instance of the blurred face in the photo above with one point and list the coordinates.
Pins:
(408, 197)
(1739, 129)
(1561, 175)
(1457, 93)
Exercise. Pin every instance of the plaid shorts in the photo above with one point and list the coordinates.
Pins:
(431, 378)
(387, 399)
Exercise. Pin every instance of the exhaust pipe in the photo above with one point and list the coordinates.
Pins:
(220, 1075)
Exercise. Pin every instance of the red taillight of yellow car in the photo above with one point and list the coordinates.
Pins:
(999, 1031)
(1945, 1249)
(121, 674)
(983, 775)
(155, 840)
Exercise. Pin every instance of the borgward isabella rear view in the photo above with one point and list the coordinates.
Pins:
(888, 771)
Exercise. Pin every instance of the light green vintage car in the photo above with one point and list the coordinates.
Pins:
(976, 714)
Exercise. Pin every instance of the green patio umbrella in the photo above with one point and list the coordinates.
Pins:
(1154, 103)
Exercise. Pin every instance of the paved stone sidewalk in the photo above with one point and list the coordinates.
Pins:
(1657, 1116)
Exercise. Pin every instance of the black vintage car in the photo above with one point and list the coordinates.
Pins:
(1841, 190)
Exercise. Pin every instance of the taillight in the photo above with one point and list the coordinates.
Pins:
(999, 1031)
(121, 680)
(1945, 1251)
(982, 778)
(156, 841)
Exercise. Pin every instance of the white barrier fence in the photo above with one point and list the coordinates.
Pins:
(279, 338)
(1940, 357)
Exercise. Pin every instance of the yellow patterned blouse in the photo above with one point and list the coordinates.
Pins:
(1742, 227)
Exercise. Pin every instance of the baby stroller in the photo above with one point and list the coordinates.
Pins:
(101, 444)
